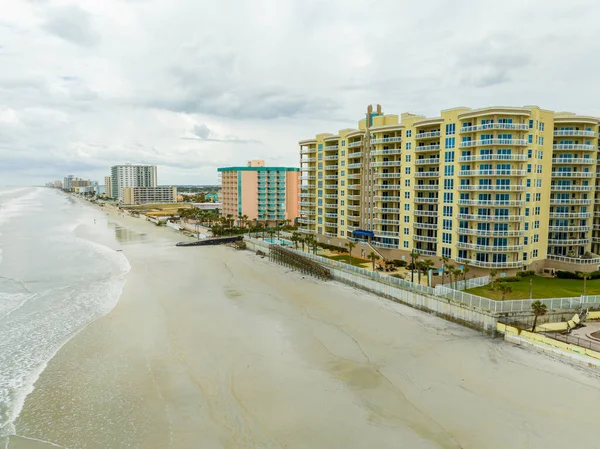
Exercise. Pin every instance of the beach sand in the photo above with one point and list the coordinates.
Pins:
(210, 347)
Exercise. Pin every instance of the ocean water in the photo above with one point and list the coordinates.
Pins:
(52, 284)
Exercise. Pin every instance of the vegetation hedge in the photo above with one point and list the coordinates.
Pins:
(570, 275)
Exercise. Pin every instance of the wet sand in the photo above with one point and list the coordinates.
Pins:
(210, 347)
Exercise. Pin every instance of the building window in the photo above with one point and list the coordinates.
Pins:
(343, 151)
(530, 124)
(530, 138)
(343, 144)
(407, 183)
(407, 170)
(536, 238)
(447, 252)
(341, 222)
(448, 184)
(405, 242)
(448, 197)
(406, 195)
(342, 233)
(406, 231)
(446, 237)
(448, 225)
(406, 219)
(450, 142)
(450, 129)
(529, 153)
(408, 145)
(536, 224)
(449, 156)
(320, 146)
(447, 211)
(407, 158)
(449, 170)
(535, 253)
(540, 154)
(537, 210)
(408, 133)
(537, 197)
(407, 207)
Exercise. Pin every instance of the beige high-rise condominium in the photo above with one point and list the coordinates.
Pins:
(498, 187)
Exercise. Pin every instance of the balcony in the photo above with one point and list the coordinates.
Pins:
(307, 186)
(492, 173)
(307, 169)
(352, 155)
(388, 175)
(387, 198)
(306, 231)
(354, 176)
(428, 161)
(488, 233)
(386, 210)
(424, 200)
(569, 188)
(569, 228)
(357, 165)
(307, 212)
(418, 225)
(386, 221)
(493, 203)
(331, 196)
(489, 126)
(573, 133)
(331, 167)
(306, 221)
(574, 260)
(330, 234)
(331, 224)
(386, 140)
(570, 214)
(427, 187)
(428, 148)
(353, 197)
(308, 151)
(573, 160)
(331, 176)
(490, 248)
(307, 178)
(331, 206)
(424, 238)
(507, 188)
(388, 187)
(387, 164)
(353, 207)
(306, 204)
(353, 186)
(568, 242)
(384, 245)
(493, 157)
(574, 146)
(425, 252)
(386, 233)
(331, 147)
(490, 142)
(333, 157)
(388, 152)
(490, 218)
(354, 144)
(426, 213)
(570, 201)
(427, 135)
(307, 160)
(331, 186)
(427, 174)
(482, 264)
(331, 214)
(573, 174)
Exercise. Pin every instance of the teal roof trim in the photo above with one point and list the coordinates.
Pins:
(258, 169)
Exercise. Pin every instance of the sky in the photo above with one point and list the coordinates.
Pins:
(193, 85)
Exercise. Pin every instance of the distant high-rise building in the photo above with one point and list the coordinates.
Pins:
(108, 186)
(131, 176)
(261, 193)
(147, 195)
(68, 183)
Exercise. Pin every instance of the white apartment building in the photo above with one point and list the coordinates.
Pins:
(131, 176)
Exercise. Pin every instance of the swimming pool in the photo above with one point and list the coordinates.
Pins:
(281, 242)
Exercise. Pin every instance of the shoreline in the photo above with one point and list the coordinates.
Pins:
(209, 347)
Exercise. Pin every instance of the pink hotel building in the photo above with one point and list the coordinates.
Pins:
(259, 192)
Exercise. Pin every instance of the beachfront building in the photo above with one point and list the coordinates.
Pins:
(68, 183)
(131, 176)
(148, 195)
(499, 187)
(108, 186)
(267, 194)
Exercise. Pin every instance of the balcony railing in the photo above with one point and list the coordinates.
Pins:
(575, 260)
(427, 135)
(383, 245)
(573, 174)
(331, 176)
(490, 248)
(482, 264)
(353, 197)
(571, 188)
(307, 204)
(386, 210)
(388, 175)
(353, 186)
(388, 187)
(306, 231)
(330, 215)
(333, 157)
(426, 213)
(568, 228)
(492, 173)
(493, 157)
(489, 142)
(387, 198)
(491, 218)
(330, 186)
(425, 252)
(573, 132)
(428, 148)
(389, 151)
(357, 165)
(386, 221)
(509, 203)
(423, 200)
(488, 126)
(307, 212)
(331, 196)
(510, 187)
(490, 233)
(331, 167)
(331, 147)
(568, 242)
(307, 195)
(354, 144)
(424, 238)
(570, 201)
(353, 207)
(307, 178)
(386, 233)
(330, 234)
(306, 221)
(570, 214)
(386, 140)
(418, 225)
(573, 160)
(307, 160)
(574, 146)
(308, 151)
(427, 174)
(427, 187)
(387, 164)
(303, 169)
(428, 161)
(331, 224)
(331, 206)
(357, 154)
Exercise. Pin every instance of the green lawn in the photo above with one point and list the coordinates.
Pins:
(542, 288)
(349, 260)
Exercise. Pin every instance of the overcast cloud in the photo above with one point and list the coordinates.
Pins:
(192, 85)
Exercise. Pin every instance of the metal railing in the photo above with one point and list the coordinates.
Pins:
(573, 132)
(487, 126)
(487, 142)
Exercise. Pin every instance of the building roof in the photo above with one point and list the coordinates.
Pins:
(258, 169)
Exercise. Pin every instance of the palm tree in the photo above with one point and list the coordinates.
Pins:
(414, 255)
(444, 260)
(538, 309)
(493, 274)
(427, 265)
(302, 242)
(245, 220)
(373, 256)
(449, 270)
(465, 271)
(350, 245)
(504, 289)
(295, 238)
(585, 276)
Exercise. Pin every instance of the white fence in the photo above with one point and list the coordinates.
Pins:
(390, 284)
(469, 283)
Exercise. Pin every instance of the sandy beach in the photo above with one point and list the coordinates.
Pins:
(210, 347)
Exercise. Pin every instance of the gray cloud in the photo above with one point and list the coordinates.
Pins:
(202, 133)
(72, 24)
